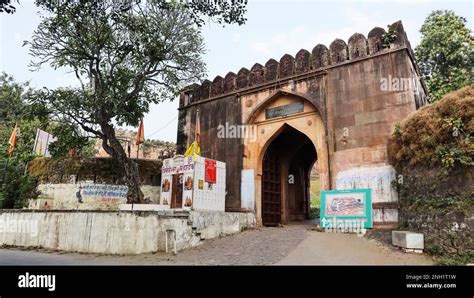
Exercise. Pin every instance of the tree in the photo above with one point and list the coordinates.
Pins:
(126, 56)
(16, 185)
(445, 53)
(6, 6)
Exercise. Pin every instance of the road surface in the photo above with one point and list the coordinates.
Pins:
(295, 244)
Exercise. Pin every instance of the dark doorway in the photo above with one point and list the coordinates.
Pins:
(177, 191)
(286, 168)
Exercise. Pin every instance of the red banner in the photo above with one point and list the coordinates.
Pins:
(210, 173)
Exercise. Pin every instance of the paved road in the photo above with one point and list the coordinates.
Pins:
(292, 244)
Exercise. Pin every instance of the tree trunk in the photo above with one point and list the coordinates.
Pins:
(112, 146)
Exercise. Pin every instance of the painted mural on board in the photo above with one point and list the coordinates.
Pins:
(342, 205)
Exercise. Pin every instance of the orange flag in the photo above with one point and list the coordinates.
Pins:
(12, 142)
(140, 139)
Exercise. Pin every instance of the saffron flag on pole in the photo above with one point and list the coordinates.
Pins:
(12, 142)
(195, 148)
(140, 139)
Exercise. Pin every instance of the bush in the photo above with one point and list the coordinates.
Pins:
(432, 151)
(16, 186)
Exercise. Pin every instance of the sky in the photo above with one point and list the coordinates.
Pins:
(273, 28)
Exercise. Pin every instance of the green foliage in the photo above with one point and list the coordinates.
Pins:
(389, 36)
(7, 6)
(398, 130)
(440, 134)
(450, 157)
(315, 200)
(455, 260)
(125, 61)
(445, 53)
(16, 185)
(70, 136)
(429, 202)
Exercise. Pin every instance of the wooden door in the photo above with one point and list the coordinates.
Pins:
(271, 189)
(177, 192)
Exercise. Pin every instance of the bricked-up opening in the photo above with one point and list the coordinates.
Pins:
(286, 168)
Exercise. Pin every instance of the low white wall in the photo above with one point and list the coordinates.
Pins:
(212, 224)
(94, 196)
(115, 232)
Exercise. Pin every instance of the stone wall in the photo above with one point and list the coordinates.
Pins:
(446, 232)
(97, 170)
(108, 232)
(440, 206)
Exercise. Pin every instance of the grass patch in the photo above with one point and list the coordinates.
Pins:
(315, 200)
(455, 260)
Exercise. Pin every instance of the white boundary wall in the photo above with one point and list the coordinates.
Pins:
(115, 232)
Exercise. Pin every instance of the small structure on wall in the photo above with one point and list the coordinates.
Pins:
(193, 184)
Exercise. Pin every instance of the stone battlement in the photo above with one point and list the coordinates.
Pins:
(304, 62)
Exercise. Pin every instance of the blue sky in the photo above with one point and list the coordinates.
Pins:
(273, 29)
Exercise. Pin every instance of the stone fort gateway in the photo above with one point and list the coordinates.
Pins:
(337, 106)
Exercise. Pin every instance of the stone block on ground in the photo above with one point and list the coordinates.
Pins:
(408, 240)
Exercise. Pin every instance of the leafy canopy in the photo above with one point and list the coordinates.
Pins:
(445, 53)
(125, 58)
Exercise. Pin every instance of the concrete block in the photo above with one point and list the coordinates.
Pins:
(409, 240)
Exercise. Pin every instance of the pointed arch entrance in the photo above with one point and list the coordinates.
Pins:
(282, 154)
(286, 170)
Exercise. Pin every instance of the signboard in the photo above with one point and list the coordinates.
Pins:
(285, 110)
(210, 173)
(344, 207)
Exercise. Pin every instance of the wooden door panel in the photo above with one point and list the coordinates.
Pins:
(271, 189)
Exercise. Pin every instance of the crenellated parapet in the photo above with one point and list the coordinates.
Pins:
(321, 57)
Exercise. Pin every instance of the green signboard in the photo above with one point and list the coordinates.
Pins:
(346, 209)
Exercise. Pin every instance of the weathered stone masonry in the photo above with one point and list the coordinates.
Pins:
(347, 116)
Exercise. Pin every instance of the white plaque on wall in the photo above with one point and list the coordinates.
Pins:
(247, 189)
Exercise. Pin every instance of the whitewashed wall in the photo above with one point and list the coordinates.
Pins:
(379, 179)
(112, 232)
(94, 196)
